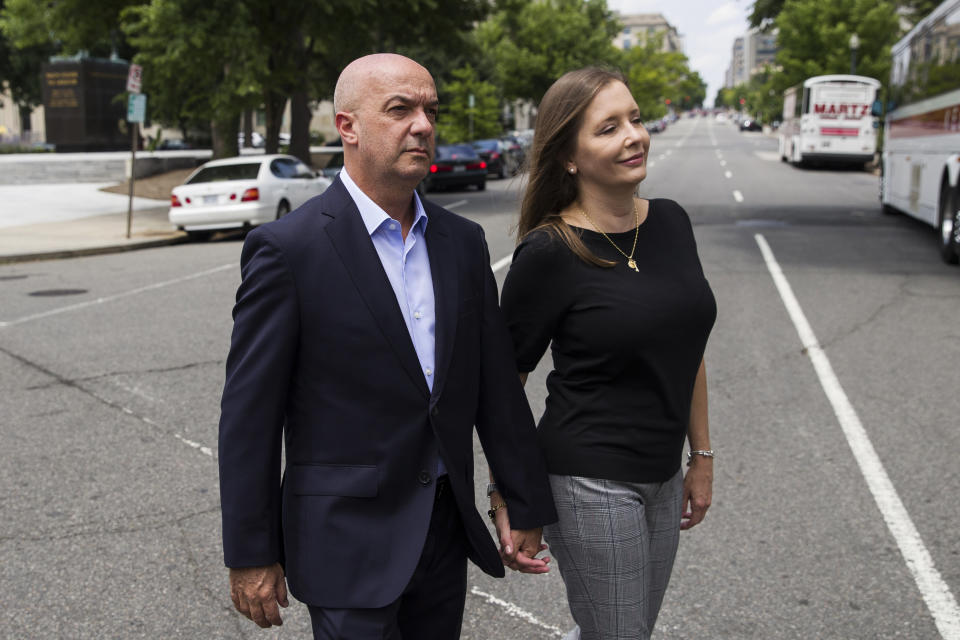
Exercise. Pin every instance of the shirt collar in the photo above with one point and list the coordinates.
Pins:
(372, 214)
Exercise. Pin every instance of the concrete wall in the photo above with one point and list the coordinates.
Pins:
(62, 168)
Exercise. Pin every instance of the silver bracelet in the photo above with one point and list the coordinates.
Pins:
(706, 453)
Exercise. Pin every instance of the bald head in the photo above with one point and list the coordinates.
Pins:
(358, 77)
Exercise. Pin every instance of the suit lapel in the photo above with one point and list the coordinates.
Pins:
(355, 248)
(443, 269)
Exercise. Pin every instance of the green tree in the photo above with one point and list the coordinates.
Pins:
(659, 79)
(201, 63)
(764, 12)
(72, 26)
(458, 121)
(20, 69)
(534, 42)
(815, 34)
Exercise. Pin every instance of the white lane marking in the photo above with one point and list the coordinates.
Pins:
(117, 296)
(650, 164)
(723, 163)
(454, 205)
(728, 175)
(207, 451)
(517, 612)
(936, 593)
(737, 196)
(501, 263)
(669, 151)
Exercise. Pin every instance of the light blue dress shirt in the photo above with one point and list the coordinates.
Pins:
(407, 266)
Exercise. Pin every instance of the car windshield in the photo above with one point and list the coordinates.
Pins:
(455, 152)
(247, 171)
(485, 145)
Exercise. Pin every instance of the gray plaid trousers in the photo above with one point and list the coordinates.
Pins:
(615, 543)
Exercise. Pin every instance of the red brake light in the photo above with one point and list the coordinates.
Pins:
(174, 201)
(433, 168)
(233, 196)
(483, 165)
(250, 194)
(494, 155)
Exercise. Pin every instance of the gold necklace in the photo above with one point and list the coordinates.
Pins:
(630, 261)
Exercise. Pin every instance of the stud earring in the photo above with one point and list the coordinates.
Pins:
(572, 170)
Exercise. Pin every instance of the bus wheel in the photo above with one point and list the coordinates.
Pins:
(949, 216)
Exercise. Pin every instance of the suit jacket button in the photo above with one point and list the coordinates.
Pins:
(424, 478)
(435, 411)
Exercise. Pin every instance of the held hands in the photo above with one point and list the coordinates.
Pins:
(256, 591)
(518, 547)
(697, 492)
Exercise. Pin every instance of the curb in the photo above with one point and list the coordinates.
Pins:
(93, 251)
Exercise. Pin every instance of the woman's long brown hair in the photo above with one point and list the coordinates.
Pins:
(550, 188)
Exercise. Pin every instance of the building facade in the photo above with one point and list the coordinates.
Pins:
(750, 53)
(640, 27)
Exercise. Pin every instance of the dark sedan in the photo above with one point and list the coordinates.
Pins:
(456, 165)
(500, 161)
(750, 125)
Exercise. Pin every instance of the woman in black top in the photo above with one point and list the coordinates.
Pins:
(613, 284)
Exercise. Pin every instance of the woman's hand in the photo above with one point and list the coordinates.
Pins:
(697, 491)
(518, 547)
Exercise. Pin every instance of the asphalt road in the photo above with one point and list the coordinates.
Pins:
(111, 368)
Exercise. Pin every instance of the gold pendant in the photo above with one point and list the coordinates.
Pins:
(633, 265)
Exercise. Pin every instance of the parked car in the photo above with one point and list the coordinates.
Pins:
(655, 126)
(501, 160)
(173, 144)
(456, 165)
(750, 125)
(242, 192)
(257, 140)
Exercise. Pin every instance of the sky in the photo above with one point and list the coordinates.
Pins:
(708, 27)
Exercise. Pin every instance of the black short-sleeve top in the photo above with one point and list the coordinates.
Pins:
(626, 346)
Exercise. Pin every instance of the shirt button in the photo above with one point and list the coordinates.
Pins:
(417, 315)
(435, 411)
(424, 477)
(429, 371)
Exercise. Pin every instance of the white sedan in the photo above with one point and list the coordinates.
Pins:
(242, 192)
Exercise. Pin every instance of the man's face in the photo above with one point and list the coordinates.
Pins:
(395, 123)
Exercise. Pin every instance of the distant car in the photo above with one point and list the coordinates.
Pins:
(655, 126)
(173, 144)
(242, 192)
(750, 125)
(501, 160)
(334, 165)
(257, 140)
(456, 165)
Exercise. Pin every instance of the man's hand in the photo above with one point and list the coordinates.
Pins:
(256, 591)
(518, 547)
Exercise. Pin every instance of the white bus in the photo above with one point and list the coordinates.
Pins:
(829, 119)
(921, 149)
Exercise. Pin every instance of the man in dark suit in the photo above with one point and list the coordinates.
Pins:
(368, 340)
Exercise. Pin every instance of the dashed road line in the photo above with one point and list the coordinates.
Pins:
(934, 590)
(454, 205)
(516, 612)
(737, 196)
(728, 175)
(501, 263)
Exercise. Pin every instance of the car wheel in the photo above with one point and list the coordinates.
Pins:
(948, 224)
(283, 209)
(481, 185)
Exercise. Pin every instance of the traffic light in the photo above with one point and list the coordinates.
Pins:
(742, 102)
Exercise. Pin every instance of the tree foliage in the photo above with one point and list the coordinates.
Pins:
(459, 121)
(659, 79)
(534, 42)
(814, 38)
(20, 69)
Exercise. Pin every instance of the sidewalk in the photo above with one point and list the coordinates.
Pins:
(104, 233)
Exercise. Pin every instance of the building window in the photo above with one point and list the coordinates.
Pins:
(626, 31)
(626, 43)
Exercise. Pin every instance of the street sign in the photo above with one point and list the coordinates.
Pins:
(134, 78)
(136, 107)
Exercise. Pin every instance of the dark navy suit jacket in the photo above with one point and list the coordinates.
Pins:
(321, 360)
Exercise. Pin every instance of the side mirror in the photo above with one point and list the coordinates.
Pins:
(877, 108)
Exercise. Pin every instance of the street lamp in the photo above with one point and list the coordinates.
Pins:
(854, 45)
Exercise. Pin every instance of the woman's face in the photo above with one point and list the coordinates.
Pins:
(612, 143)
